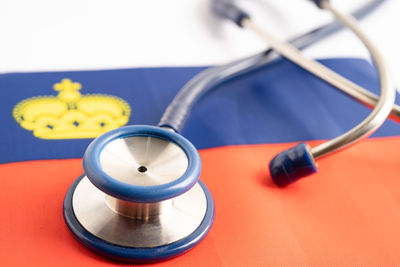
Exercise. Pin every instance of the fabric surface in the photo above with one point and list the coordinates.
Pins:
(279, 103)
(346, 214)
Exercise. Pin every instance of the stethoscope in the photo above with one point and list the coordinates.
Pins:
(141, 200)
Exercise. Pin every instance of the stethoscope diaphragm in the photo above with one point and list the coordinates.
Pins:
(140, 198)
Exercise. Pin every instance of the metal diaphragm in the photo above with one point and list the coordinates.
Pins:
(140, 199)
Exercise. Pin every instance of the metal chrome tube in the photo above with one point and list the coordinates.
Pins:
(383, 105)
(346, 86)
(141, 211)
(179, 109)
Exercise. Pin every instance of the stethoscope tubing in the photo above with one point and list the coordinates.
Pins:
(179, 109)
(112, 197)
(383, 105)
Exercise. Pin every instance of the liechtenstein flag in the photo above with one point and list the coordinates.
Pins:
(73, 70)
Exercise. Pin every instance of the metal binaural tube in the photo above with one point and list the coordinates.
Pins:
(179, 109)
(346, 86)
(383, 107)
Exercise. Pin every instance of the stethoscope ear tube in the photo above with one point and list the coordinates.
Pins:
(383, 107)
(285, 166)
(180, 108)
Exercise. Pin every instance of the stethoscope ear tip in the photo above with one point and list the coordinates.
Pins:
(290, 165)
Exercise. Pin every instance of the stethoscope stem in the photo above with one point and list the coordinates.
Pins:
(138, 211)
(382, 106)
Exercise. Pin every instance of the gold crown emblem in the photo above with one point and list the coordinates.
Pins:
(70, 114)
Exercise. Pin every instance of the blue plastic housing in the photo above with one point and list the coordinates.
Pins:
(292, 164)
(141, 194)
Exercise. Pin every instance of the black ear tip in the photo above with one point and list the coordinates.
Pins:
(292, 164)
(319, 2)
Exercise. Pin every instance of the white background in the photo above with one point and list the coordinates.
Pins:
(47, 35)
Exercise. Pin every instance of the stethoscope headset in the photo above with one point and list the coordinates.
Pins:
(141, 200)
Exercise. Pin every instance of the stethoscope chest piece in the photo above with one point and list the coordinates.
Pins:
(140, 199)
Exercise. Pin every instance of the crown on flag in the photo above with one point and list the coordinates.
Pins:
(71, 114)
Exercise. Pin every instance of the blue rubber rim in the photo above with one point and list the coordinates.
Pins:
(141, 194)
(136, 255)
